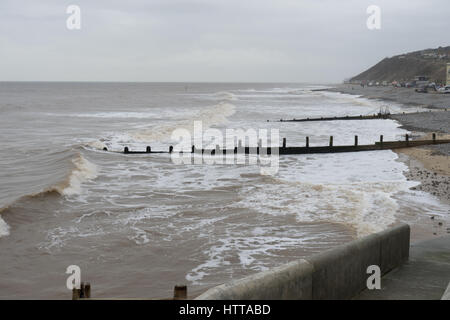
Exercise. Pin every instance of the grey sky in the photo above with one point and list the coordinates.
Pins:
(211, 40)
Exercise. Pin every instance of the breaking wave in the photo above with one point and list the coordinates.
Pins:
(81, 171)
(215, 115)
(4, 228)
(225, 95)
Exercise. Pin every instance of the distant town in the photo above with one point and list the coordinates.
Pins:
(428, 71)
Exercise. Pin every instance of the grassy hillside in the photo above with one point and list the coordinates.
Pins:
(430, 62)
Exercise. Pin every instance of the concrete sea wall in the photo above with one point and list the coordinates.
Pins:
(339, 273)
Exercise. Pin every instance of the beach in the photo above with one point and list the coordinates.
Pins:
(149, 223)
(406, 96)
(429, 164)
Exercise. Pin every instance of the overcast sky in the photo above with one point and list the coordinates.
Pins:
(211, 40)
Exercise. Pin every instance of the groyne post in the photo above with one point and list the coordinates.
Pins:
(356, 141)
(407, 139)
(149, 149)
(87, 290)
(331, 141)
(83, 292)
(125, 150)
(381, 139)
(307, 142)
(434, 137)
(170, 149)
(193, 149)
(180, 292)
(75, 294)
(284, 142)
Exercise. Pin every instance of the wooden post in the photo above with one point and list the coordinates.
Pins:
(331, 141)
(284, 142)
(193, 149)
(75, 294)
(356, 141)
(170, 149)
(87, 290)
(381, 139)
(307, 142)
(149, 149)
(125, 150)
(407, 137)
(82, 290)
(180, 292)
(434, 137)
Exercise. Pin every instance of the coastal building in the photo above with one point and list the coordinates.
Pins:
(420, 80)
(448, 73)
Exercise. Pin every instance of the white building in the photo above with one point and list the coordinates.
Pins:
(448, 73)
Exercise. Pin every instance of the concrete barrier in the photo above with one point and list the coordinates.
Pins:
(446, 295)
(339, 273)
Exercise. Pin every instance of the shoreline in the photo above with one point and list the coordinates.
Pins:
(429, 165)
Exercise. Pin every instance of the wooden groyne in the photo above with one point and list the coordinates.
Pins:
(360, 117)
(180, 292)
(379, 115)
(307, 149)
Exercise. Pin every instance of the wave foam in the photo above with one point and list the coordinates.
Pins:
(225, 95)
(4, 228)
(215, 115)
(83, 171)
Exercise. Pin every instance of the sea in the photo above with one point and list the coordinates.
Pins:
(138, 224)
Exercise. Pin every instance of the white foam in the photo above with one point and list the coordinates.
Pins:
(4, 228)
(210, 116)
(97, 144)
(84, 171)
(248, 249)
(110, 115)
(354, 189)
